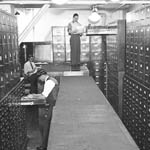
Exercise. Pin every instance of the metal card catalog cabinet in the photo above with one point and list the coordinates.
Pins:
(58, 37)
(85, 49)
(95, 48)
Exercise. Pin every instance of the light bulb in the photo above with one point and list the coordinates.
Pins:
(94, 18)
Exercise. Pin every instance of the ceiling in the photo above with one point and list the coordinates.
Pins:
(78, 4)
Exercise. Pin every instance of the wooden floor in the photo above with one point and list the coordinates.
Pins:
(84, 120)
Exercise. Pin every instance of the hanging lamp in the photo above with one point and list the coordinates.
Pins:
(94, 17)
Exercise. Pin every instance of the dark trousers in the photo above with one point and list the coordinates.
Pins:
(33, 80)
(45, 117)
(75, 49)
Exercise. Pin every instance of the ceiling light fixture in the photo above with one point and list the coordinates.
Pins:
(94, 17)
(60, 2)
(115, 1)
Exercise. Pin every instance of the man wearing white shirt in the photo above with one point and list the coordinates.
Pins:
(30, 71)
(75, 31)
(48, 89)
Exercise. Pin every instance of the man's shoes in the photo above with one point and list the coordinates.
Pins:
(41, 148)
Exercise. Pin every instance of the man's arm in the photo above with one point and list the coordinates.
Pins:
(69, 29)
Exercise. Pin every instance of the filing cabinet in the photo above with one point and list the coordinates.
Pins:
(112, 72)
(1, 56)
(67, 52)
(96, 55)
(135, 102)
(85, 39)
(95, 48)
(58, 30)
(58, 39)
(59, 52)
(6, 51)
(59, 56)
(85, 49)
(13, 129)
(2, 90)
(84, 57)
(90, 46)
(58, 47)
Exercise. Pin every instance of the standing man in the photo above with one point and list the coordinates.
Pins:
(30, 70)
(74, 29)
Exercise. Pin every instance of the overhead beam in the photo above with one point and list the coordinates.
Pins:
(84, 2)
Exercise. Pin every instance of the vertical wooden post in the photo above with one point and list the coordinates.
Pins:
(104, 64)
(121, 61)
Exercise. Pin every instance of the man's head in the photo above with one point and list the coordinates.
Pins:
(43, 77)
(30, 58)
(75, 17)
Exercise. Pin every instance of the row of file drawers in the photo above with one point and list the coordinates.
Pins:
(10, 75)
(84, 46)
(8, 29)
(136, 111)
(60, 33)
(8, 38)
(138, 50)
(138, 70)
(97, 72)
(112, 72)
(84, 56)
(59, 38)
(7, 57)
(136, 127)
(7, 19)
(140, 14)
(12, 116)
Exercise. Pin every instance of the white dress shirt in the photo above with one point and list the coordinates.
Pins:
(74, 27)
(48, 87)
(28, 67)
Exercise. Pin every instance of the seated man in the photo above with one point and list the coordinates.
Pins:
(30, 71)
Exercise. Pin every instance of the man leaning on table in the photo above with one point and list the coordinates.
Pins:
(47, 90)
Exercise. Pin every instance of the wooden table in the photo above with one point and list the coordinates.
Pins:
(84, 120)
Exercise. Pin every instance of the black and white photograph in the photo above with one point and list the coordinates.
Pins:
(74, 74)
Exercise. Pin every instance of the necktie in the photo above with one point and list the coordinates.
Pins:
(31, 65)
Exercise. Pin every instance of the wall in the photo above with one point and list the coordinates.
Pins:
(52, 17)
(114, 16)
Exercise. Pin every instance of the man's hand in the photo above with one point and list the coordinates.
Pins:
(32, 71)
